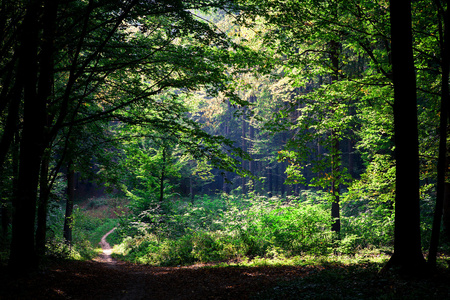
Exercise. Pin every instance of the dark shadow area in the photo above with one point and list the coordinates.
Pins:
(95, 280)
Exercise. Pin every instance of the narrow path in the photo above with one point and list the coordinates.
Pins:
(107, 250)
(134, 279)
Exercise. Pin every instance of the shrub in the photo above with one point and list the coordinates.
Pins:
(227, 227)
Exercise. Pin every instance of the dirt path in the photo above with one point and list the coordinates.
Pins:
(106, 278)
(85, 280)
(105, 256)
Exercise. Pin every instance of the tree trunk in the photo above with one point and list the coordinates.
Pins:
(442, 159)
(335, 152)
(68, 220)
(244, 148)
(191, 188)
(162, 178)
(44, 91)
(251, 163)
(446, 211)
(335, 186)
(270, 180)
(23, 257)
(44, 193)
(407, 240)
(11, 123)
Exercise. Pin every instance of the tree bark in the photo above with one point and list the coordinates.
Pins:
(335, 152)
(44, 92)
(251, 163)
(442, 159)
(446, 211)
(244, 148)
(68, 220)
(407, 239)
(335, 186)
(162, 178)
(23, 256)
(44, 193)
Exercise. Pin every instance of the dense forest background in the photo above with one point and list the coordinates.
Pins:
(224, 130)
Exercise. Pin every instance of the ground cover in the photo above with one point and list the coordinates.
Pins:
(97, 280)
(346, 270)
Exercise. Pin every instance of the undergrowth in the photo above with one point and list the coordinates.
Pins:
(91, 220)
(251, 229)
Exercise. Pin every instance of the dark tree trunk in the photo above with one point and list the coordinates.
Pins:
(44, 193)
(335, 152)
(23, 256)
(251, 163)
(68, 220)
(407, 240)
(270, 180)
(446, 211)
(11, 123)
(244, 148)
(335, 186)
(442, 159)
(191, 188)
(44, 91)
(162, 178)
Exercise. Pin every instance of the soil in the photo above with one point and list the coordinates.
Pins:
(106, 278)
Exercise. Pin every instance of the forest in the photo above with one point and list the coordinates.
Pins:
(228, 133)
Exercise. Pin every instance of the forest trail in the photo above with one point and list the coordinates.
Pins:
(84, 280)
(105, 256)
(107, 278)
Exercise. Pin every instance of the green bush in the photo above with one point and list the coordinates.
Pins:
(226, 227)
(296, 228)
(374, 227)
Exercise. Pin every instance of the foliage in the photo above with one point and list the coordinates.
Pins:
(240, 227)
(89, 224)
(154, 99)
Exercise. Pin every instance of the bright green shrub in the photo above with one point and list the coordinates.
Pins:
(295, 228)
(227, 227)
(374, 227)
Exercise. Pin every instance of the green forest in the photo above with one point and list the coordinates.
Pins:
(241, 133)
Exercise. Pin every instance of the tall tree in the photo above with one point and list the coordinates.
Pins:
(109, 57)
(407, 238)
(444, 114)
(35, 96)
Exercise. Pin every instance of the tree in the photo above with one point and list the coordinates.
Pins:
(407, 239)
(444, 114)
(97, 60)
(363, 28)
(36, 92)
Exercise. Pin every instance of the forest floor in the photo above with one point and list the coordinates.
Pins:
(105, 278)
